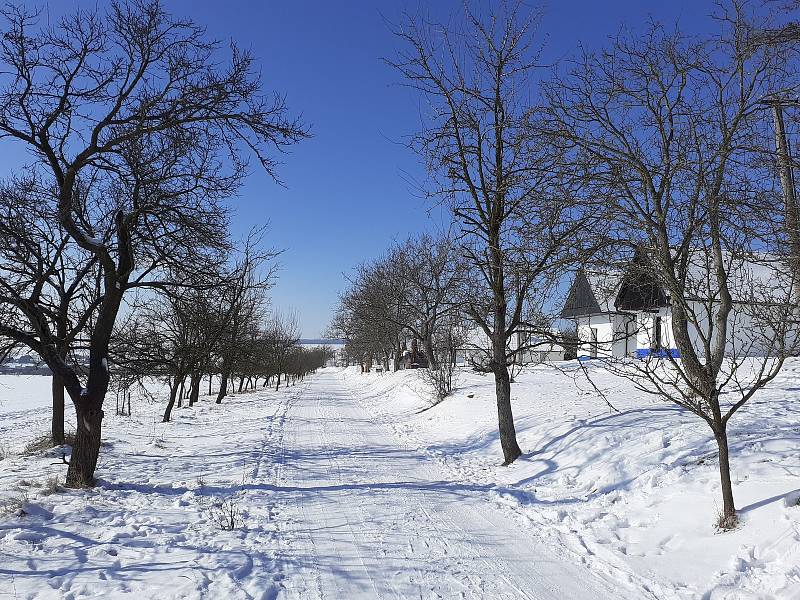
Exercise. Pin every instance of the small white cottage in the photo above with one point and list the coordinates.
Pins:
(529, 348)
(628, 314)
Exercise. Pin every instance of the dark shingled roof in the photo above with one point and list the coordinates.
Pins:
(591, 294)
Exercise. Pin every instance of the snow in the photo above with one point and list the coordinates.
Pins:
(635, 492)
(347, 488)
(149, 529)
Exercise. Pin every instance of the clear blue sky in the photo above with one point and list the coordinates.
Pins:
(346, 194)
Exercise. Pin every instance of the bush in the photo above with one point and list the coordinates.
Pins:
(442, 381)
(15, 506)
(226, 513)
(43, 443)
(728, 523)
(51, 486)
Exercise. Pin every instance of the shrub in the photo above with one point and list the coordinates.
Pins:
(226, 514)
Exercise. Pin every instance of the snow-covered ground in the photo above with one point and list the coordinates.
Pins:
(344, 487)
(151, 528)
(634, 493)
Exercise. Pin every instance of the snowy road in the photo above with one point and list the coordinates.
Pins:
(333, 504)
(364, 516)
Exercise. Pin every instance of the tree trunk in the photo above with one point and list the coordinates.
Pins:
(180, 394)
(173, 394)
(790, 209)
(194, 390)
(508, 433)
(433, 363)
(57, 424)
(86, 449)
(502, 380)
(728, 506)
(88, 404)
(223, 387)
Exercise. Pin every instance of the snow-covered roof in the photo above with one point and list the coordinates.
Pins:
(605, 287)
(755, 278)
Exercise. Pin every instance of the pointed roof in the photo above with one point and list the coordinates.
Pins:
(639, 289)
(751, 278)
(591, 293)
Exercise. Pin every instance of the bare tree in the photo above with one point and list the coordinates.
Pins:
(450, 337)
(40, 262)
(138, 122)
(783, 104)
(486, 161)
(283, 332)
(369, 317)
(426, 273)
(666, 126)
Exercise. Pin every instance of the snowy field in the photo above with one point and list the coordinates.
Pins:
(343, 487)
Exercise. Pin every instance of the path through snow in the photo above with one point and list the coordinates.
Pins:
(334, 504)
(366, 516)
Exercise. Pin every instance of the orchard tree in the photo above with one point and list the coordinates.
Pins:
(505, 186)
(670, 130)
(138, 122)
(40, 261)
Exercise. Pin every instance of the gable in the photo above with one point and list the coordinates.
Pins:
(581, 300)
(640, 291)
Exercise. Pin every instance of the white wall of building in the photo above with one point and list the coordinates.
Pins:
(749, 332)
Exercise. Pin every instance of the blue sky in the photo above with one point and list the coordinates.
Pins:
(347, 193)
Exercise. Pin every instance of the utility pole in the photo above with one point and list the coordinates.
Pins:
(790, 210)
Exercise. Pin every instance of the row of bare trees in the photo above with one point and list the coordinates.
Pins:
(182, 339)
(674, 131)
(411, 293)
(663, 156)
(138, 128)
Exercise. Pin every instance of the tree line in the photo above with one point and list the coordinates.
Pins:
(664, 155)
(115, 246)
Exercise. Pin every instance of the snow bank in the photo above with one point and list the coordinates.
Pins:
(632, 494)
(635, 492)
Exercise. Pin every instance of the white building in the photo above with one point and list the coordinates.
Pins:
(529, 348)
(629, 314)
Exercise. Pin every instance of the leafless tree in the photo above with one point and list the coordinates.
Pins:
(783, 104)
(666, 127)
(449, 338)
(283, 333)
(426, 274)
(139, 123)
(369, 317)
(40, 262)
(408, 293)
(504, 186)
